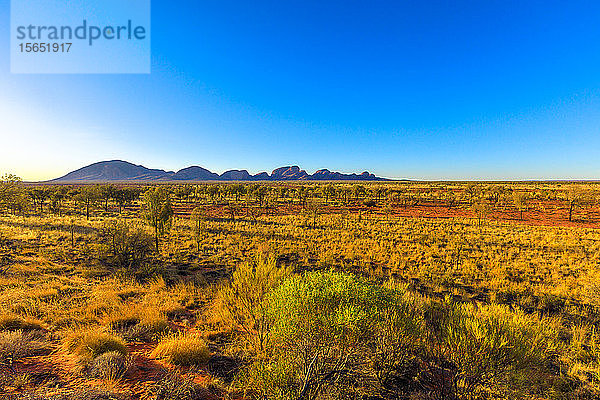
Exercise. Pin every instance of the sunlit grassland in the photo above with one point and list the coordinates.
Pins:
(481, 308)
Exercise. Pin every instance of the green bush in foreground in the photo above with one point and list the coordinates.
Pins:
(335, 336)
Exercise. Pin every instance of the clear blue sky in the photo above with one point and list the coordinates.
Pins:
(404, 89)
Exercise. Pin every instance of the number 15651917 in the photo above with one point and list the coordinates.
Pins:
(45, 47)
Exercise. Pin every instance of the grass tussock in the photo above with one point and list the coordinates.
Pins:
(92, 343)
(142, 324)
(174, 387)
(11, 322)
(15, 345)
(182, 350)
(110, 366)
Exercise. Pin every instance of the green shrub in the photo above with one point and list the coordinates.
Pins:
(490, 347)
(126, 244)
(241, 302)
(330, 333)
(336, 336)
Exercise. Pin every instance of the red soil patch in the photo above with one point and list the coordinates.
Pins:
(59, 371)
(545, 213)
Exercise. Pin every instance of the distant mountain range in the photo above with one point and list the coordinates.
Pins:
(123, 171)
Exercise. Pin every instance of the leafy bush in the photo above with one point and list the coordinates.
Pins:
(339, 336)
(329, 332)
(486, 346)
(126, 244)
(182, 350)
(241, 302)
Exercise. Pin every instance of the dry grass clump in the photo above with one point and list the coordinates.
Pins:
(174, 387)
(143, 324)
(11, 322)
(91, 344)
(182, 350)
(15, 345)
(110, 366)
(84, 393)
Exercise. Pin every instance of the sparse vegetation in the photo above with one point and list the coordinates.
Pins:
(301, 291)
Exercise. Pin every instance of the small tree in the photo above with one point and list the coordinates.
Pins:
(198, 219)
(481, 210)
(88, 196)
(127, 245)
(158, 211)
(520, 202)
(11, 193)
(39, 196)
(123, 197)
(577, 198)
(329, 192)
(242, 301)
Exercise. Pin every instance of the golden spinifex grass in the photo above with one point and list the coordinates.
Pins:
(306, 291)
(182, 350)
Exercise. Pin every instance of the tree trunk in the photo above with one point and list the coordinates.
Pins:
(571, 212)
(156, 238)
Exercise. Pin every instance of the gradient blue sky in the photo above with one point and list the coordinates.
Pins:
(404, 89)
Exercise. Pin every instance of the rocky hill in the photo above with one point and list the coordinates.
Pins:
(123, 171)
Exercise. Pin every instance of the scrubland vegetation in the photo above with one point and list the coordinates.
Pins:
(300, 291)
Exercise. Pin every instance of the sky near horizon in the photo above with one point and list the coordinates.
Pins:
(403, 89)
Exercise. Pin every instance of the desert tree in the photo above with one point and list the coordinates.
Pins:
(472, 192)
(213, 192)
(158, 211)
(106, 192)
(358, 191)
(198, 218)
(124, 196)
(232, 209)
(520, 202)
(313, 210)
(345, 193)
(237, 191)
(303, 193)
(380, 192)
(88, 196)
(184, 192)
(329, 192)
(482, 210)
(577, 197)
(56, 201)
(260, 193)
(11, 193)
(126, 244)
(282, 192)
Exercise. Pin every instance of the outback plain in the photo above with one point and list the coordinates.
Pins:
(292, 290)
